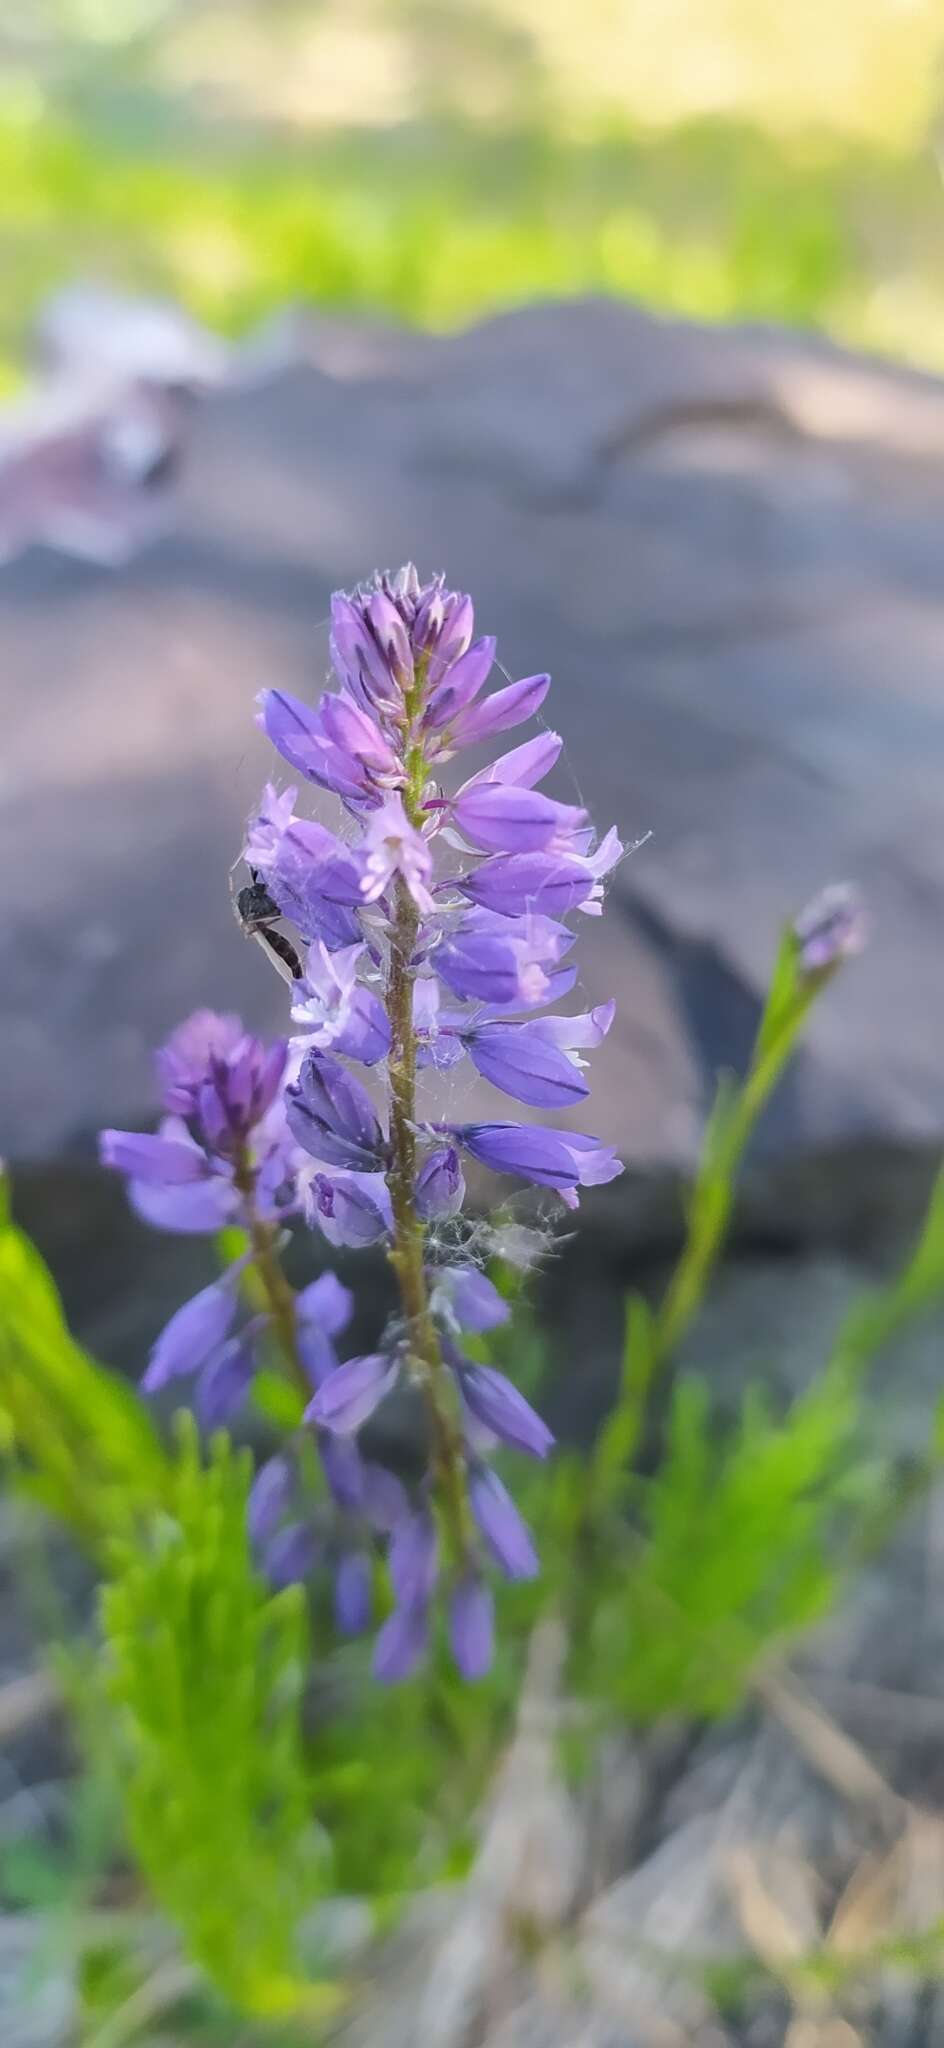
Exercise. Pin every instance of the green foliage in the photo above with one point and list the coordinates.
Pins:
(207, 1668)
(731, 1555)
(712, 220)
(80, 1440)
(735, 1545)
(681, 1555)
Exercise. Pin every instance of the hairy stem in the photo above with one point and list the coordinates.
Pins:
(409, 1236)
(279, 1296)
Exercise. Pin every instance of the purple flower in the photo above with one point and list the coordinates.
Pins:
(291, 1556)
(237, 1092)
(348, 1396)
(413, 1558)
(516, 1059)
(350, 1208)
(833, 927)
(344, 1470)
(505, 708)
(501, 817)
(402, 1643)
(472, 1626)
(164, 1162)
(332, 1116)
(394, 847)
(327, 1303)
(317, 1353)
(495, 1402)
(538, 1062)
(525, 765)
(554, 1159)
(460, 684)
(447, 910)
(413, 1563)
(383, 1500)
(353, 1581)
(357, 657)
(313, 877)
(514, 884)
(192, 1335)
(270, 1497)
(436, 1031)
(359, 736)
(184, 1062)
(441, 626)
(469, 1298)
(225, 1381)
(493, 959)
(333, 1009)
(299, 736)
(201, 1207)
(504, 1531)
(440, 1186)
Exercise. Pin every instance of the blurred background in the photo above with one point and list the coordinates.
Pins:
(436, 159)
(628, 315)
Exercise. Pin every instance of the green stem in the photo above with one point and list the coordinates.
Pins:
(278, 1295)
(408, 1249)
(407, 1254)
(714, 1191)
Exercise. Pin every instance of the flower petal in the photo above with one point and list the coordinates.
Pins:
(347, 1397)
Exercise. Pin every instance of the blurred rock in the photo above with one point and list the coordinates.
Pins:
(728, 547)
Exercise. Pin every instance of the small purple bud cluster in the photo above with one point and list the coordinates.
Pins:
(221, 1090)
(831, 928)
(433, 931)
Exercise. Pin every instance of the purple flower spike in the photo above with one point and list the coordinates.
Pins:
(472, 1626)
(496, 1403)
(350, 1208)
(429, 927)
(332, 1116)
(503, 1529)
(348, 1396)
(193, 1333)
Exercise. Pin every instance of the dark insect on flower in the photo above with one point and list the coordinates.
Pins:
(259, 916)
